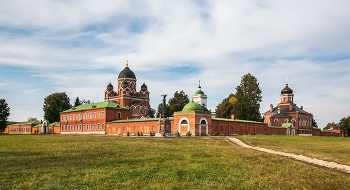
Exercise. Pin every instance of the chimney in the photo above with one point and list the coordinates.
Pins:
(301, 107)
(271, 108)
(233, 117)
(290, 107)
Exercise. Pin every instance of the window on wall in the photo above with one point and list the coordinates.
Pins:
(90, 126)
(103, 114)
(62, 118)
(62, 128)
(132, 110)
(81, 127)
(184, 122)
(94, 114)
(65, 127)
(90, 115)
(284, 99)
(103, 126)
(119, 115)
(98, 114)
(98, 126)
(73, 127)
(83, 115)
(73, 117)
(138, 110)
(95, 126)
(143, 110)
(84, 127)
(80, 116)
(70, 127)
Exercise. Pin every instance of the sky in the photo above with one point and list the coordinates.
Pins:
(77, 47)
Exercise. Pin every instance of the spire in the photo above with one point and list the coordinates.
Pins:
(199, 87)
(144, 81)
(287, 81)
(127, 64)
(124, 77)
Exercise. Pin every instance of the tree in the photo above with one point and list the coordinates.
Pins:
(32, 119)
(248, 96)
(77, 102)
(344, 124)
(54, 104)
(151, 112)
(4, 114)
(177, 103)
(226, 108)
(314, 123)
(329, 125)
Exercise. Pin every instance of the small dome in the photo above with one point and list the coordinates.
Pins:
(110, 85)
(144, 87)
(287, 90)
(192, 106)
(127, 73)
(125, 84)
(199, 92)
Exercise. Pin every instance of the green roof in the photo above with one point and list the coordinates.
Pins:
(199, 92)
(236, 120)
(286, 124)
(26, 123)
(54, 124)
(192, 106)
(98, 105)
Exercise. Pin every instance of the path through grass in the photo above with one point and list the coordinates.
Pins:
(108, 162)
(333, 149)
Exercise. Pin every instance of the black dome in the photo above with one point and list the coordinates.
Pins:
(109, 85)
(144, 85)
(125, 82)
(287, 90)
(127, 73)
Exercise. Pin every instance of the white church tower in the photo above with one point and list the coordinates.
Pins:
(200, 98)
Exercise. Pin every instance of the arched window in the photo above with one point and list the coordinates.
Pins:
(184, 122)
(138, 110)
(203, 122)
(143, 110)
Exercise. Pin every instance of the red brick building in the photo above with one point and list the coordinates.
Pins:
(288, 112)
(126, 94)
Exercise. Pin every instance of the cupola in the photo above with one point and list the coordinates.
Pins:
(125, 83)
(126, 72)
(143, 87)
(109, 86)
(192, 106)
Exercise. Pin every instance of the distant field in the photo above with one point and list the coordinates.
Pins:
(334, 149)
(108, 162)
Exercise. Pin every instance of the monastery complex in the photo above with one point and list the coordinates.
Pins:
(125, 111)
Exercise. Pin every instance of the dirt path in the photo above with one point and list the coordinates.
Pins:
(342, 167)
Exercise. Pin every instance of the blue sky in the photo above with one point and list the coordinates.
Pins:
(78, 47)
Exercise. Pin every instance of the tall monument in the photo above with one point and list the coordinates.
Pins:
(164, 125)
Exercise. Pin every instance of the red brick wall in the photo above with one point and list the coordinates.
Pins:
(19, 129)
(133, 127)
(330, 134)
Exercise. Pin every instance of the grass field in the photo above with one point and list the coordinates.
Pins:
(108, 162)
(332, 149)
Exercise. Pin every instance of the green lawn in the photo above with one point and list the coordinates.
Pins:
(108, 162)
(334, 149)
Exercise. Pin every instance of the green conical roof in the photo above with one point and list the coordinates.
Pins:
(192, 106)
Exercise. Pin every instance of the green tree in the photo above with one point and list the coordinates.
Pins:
(178, 102)
(344, 124)
(54, 104)
(32, 119)
(159, 110)
(77, 102)
(151, 112)
(329, 125)
(314, 123)
(4, 114)
(248, 96)
(226, 108)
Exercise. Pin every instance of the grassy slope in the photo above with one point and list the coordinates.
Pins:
(100, 162)
(332, 149)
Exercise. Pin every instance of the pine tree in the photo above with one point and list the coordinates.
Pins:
(248, 96)
(77, 102)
